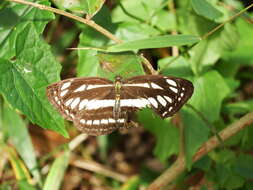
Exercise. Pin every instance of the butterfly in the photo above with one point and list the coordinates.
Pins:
(98, 106)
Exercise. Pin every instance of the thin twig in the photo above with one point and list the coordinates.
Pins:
(98, 168)
(77, 141)
(90, 23)
(229, 20)
(210, 33)
(179, 166)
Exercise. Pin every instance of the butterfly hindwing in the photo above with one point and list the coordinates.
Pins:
(99, 121)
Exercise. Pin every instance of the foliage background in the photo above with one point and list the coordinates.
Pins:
(33, 55)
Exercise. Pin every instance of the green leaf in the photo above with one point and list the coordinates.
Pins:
(195, 132)
(208, 52)
(210, 87)
(162, 18)
(205, 9)
(190, 23)
(129, 31)
(175, 66)
(243, 166)
(242, 107)
(125, 64)
(91, 7)
(142, 9)
(155, 42)
(167, 135)
(209, 92)
(243, 54)
(131, 184)
(24, 81)
(249, 185)
(234, 182)
(226, 178)
(57, 171)
(204, 163)
(24, 185)
(14, 19)
(88, 62)
(19, 137)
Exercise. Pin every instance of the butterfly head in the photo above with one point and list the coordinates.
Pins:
(118, 79)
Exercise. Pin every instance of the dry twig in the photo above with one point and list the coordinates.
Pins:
(98, 168)
(179, 166)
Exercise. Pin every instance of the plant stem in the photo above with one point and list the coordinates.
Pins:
(211, 32)
(90, 23)
(230, 19)
(179, 165)
(98, 169)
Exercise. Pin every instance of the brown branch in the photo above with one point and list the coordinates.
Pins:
(179, 166)
(89, 22)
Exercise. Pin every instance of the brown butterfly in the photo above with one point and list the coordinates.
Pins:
(98, 106)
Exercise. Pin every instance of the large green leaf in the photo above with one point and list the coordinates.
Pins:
(88, 62)
(175, 66)
(57, 171)
(243, 166)
(209, 51)
(14, 19)
(243, 53)
(129, 31)
(90, 7)
(195, 133)
(155, 42)
(23, 81)
(209, 92)
(143, 9)
(167, 135)
(225, 178)
(126, 64)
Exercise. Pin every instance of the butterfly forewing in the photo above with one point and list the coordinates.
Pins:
(72, 95)
(166, 95)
